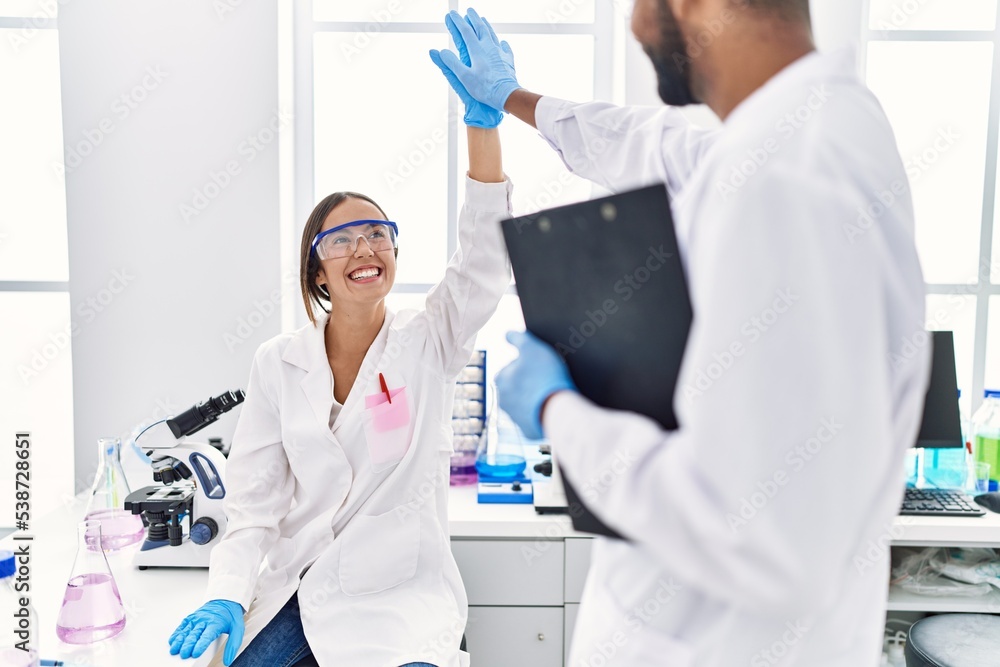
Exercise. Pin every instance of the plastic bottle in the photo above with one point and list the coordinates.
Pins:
(25, 620)
(986, 427)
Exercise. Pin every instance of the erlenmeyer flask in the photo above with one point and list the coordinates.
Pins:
(92, 608)
(119, 527)
(501, 455)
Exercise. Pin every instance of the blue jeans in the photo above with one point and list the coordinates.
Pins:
(282, 643)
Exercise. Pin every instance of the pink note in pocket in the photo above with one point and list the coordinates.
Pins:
(388, 416)
(387, 427)
(371, 400)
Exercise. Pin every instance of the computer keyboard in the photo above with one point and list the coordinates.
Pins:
(939, 502)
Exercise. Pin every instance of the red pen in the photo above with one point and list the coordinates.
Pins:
(381, 381)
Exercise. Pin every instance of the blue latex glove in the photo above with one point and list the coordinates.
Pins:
(477, 114)
(198, 630)
(489, 75)
(525, 385)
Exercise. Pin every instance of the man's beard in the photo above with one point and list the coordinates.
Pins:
(671, 62)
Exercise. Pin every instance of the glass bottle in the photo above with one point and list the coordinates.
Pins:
(24, 651)
(119, 527)
(92, 608)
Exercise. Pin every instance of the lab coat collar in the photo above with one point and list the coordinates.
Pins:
(307, 350)
(812, 67)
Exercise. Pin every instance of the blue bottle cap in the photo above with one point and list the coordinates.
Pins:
(7, 565)
(991, 393)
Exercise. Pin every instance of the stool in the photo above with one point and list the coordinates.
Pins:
(954, 640)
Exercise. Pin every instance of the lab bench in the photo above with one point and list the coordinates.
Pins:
(523, 572)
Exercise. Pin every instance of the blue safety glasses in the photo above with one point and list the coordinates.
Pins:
(342, 241)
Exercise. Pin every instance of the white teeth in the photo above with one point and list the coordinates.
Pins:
(364, 273)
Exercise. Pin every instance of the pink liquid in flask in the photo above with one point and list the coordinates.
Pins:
(91, 611)
(119, 529)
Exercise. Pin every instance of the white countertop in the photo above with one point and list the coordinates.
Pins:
(468, 519)
(157, 599)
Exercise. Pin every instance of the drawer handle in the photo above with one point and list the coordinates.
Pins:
(541, 637)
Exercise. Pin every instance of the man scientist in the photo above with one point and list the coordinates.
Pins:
(749, 529)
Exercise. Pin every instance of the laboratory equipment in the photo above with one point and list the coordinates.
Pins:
(986, 430)
(119, 528)
(548, 494)
(380, 235)
(92, 607)
(468, 419)
(500, 463)
(192, 478)
(938, 502)
(23, 652)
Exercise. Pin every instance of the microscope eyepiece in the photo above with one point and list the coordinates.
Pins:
(194, 419)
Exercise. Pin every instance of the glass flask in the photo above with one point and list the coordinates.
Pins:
(119, 527)
(92, 608)
(501, 452)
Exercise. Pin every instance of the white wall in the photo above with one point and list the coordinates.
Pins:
(154, 295)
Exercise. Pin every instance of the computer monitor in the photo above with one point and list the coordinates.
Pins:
(941, 425)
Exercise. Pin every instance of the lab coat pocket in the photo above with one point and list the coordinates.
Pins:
(379, 552)
(388, 428)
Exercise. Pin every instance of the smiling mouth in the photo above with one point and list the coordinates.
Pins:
(365, 273)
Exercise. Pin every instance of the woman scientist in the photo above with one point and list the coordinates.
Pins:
(338, 474)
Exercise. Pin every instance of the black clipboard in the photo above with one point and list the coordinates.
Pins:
(602, 282)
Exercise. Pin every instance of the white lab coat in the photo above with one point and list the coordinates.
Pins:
(759, 529)
(382, 587)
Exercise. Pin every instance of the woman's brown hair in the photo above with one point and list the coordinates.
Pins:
(312, 294)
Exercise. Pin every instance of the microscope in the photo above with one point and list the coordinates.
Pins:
(192, 486)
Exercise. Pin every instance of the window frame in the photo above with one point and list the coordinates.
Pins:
(299, 68)
(984, 287)
(37, 22)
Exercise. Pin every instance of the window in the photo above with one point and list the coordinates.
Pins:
(35, 339)
(377, 117)
(934, 65)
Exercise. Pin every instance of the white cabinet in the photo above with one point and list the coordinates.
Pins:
(521, 636)
(511, 572)
(518, 590)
